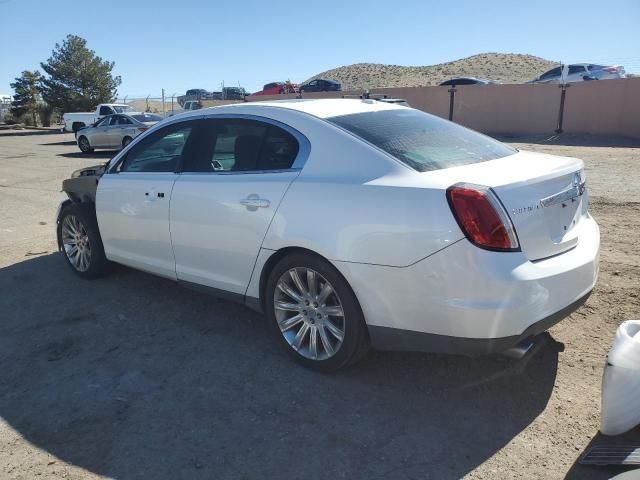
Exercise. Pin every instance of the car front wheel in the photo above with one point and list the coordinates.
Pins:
(315, 313)
(84, 145)
(80, 241)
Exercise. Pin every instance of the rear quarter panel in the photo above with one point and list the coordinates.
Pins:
(354, 203)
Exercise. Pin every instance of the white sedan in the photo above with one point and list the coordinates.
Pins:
(349, 223)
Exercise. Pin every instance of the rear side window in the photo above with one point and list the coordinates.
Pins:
(239, 145)
(159, 152)
(147, 117)
(422, 141)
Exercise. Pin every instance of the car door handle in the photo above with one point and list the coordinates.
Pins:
(254, 202)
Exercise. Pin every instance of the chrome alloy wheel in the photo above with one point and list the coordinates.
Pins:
(309, 313)
(75, 241)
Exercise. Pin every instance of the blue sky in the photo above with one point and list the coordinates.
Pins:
(197, 44)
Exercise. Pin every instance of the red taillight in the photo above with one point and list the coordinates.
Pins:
(482, 217)
(611, 70)
(142, 129)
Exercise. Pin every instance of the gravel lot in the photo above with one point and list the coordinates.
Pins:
(132, 376)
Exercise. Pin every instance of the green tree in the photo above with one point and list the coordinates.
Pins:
(27, 95)
(77, 78)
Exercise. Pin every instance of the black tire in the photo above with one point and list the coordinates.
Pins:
(84, 145)
(126, 141)
(355, 343)
(84, 214)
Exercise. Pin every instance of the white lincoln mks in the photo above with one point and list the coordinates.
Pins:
(349, 223)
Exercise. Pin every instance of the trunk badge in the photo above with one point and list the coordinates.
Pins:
(577, 189)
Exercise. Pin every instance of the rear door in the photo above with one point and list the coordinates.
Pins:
(223, 202)
(132, 200)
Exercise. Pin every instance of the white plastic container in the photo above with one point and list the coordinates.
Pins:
(621, 382)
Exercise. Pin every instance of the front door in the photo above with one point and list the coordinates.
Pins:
(223, 204)
(133, 198)
(99, 133)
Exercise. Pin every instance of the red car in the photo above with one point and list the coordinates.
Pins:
(277, 88)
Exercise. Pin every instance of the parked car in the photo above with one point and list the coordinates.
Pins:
(77, 120)
(278, 88)
(114, 131)
(234, 93)
(321, 85)
(468, 81)
(347, 222)
(579, 72)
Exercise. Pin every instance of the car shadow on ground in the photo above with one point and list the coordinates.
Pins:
(66, 142)
(94, 154)
(132, 376)
(27, 132)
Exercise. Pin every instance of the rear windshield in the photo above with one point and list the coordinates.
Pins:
(147, 117)
(422, 141)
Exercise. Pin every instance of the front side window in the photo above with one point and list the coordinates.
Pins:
(103, 122)
(554, 72)
(160, 152)
(242, 145)
(422, 141)
(576, 69)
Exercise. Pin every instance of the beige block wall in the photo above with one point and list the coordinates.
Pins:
(609, 107)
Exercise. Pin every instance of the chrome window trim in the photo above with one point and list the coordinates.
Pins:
(304, 145)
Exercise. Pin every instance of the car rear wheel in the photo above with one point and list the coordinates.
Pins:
(80, 241)
(84, 145)
(126, 141)
(315, 313)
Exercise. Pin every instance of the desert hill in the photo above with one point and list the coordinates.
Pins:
(505, 67)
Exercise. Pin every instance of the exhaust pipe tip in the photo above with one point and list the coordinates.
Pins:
(520, 350)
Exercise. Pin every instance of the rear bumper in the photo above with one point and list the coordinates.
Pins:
(386, 338)
(467, 300)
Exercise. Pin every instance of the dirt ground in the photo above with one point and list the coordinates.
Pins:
(132, 376)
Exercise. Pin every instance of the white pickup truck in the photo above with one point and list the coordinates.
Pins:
(77, 120)
(188, 106)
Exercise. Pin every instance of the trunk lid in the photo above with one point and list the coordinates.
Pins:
(544, 195)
